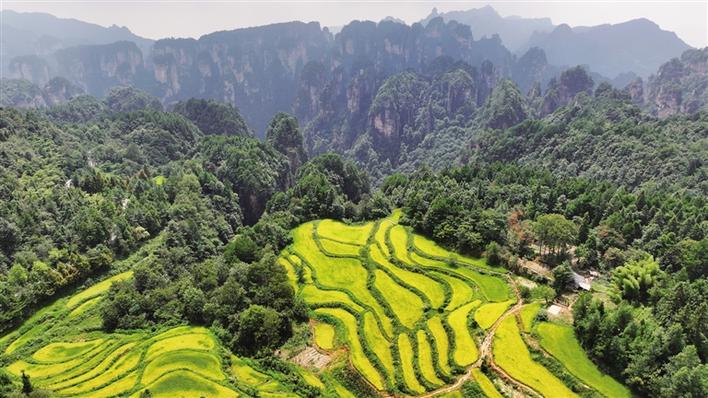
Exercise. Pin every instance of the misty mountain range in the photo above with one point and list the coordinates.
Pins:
(305, 69)
(638, 46)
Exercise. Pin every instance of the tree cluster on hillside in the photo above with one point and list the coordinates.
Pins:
(452, 113)
(213, 118)
(86, 183)
(467, 208)
(607, 137)
(655, 342)
(236, 287)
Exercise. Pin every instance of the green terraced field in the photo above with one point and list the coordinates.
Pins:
(559, 340)
(183, 383)
(97, 289)
(406, 305)
(361, 362)
(426, 361)
(334, 248)
(486, 315)
(62, 350)
(512, 355)
(431, 249)
(181, 361)
(485, 384)
(335, 230)
(432, 290)
(407, 359)
(324, 335)
(528, 314)
(404, 315)
(442, 344)
(465, 350)
(378, 343)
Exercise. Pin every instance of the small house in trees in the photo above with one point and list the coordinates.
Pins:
(581, 282)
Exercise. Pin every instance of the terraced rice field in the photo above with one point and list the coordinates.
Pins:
(528, 314)
(90, 363)
(559, 340)
(410, 314)
(85, 362)
(485, 384)
(487, 314)
(405, 313)
(62, 349)
(512, 355)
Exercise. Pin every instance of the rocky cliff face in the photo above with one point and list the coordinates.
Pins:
(393, 113)
(30, 67)
(532, 68)
(59, 91)
(19, 93)
(310, 89)
(354, 84)
(94, 68)
(33, 33)
(410, 108)
(284, 134)
(330, 83)
(635, 90)
(297, 67)
(563, 90)
(506, 107)
(172, 61)
(680, 85)
(98, 68)
(256, 68)
(456, 92)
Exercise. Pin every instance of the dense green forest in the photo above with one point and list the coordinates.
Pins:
(76, 196)
(450, 113)
(595, 185)
(606, 136)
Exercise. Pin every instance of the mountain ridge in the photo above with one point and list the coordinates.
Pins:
(638, 45)
(43, 33)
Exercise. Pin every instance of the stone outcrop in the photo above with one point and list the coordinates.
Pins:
(30, 67)
(563, 90)
(20, 93)
(96, 69)
(680, 85)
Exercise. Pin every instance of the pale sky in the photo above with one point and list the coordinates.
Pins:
(175, 18)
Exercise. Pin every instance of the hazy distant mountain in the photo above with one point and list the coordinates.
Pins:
(638, 46)
(393, 19)
(513, 31)
(43, 34)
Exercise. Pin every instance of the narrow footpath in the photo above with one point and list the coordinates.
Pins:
(485, 351)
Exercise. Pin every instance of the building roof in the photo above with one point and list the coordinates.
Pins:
(581, 281)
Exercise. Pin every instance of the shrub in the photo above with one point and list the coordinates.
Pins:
(242, 248)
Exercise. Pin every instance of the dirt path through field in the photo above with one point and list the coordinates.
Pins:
(485, 351)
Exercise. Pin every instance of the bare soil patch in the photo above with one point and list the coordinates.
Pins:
(311, 358)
